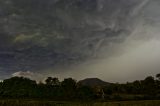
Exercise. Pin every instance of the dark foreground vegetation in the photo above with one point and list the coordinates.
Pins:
(70, 90)
(53, 103)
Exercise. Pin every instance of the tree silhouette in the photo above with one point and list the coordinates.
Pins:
(158, 76)
(69, 87)
(18, 87)
(52, 81)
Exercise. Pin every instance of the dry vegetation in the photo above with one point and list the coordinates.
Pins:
(53, 103)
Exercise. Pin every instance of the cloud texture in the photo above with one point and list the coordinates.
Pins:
(116, 40)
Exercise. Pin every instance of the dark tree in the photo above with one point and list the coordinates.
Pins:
(52, 81)
(158, 76)
(69, 87)
(18, 87)
(85, 93)
(149, 85)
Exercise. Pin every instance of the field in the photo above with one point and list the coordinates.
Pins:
(53, 103)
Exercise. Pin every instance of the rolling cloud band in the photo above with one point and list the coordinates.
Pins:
(111, 39)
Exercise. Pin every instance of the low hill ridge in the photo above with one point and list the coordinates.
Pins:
(93, 82)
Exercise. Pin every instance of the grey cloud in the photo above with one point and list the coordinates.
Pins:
(64, 37)
(28, 74)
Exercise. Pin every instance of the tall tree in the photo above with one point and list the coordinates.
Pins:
(69, 87)
(52, 81)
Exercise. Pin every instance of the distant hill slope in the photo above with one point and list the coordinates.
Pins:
(93, 82)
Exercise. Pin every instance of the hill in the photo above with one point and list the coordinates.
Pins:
(93, 82)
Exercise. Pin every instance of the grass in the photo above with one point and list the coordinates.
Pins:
(53, 103)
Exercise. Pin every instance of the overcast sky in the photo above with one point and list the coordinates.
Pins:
(115, 40)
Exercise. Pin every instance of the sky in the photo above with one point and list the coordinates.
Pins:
(114, 40)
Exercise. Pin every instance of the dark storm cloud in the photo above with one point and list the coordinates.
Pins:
(52, 35)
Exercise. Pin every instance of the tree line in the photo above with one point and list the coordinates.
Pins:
(70, 89)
